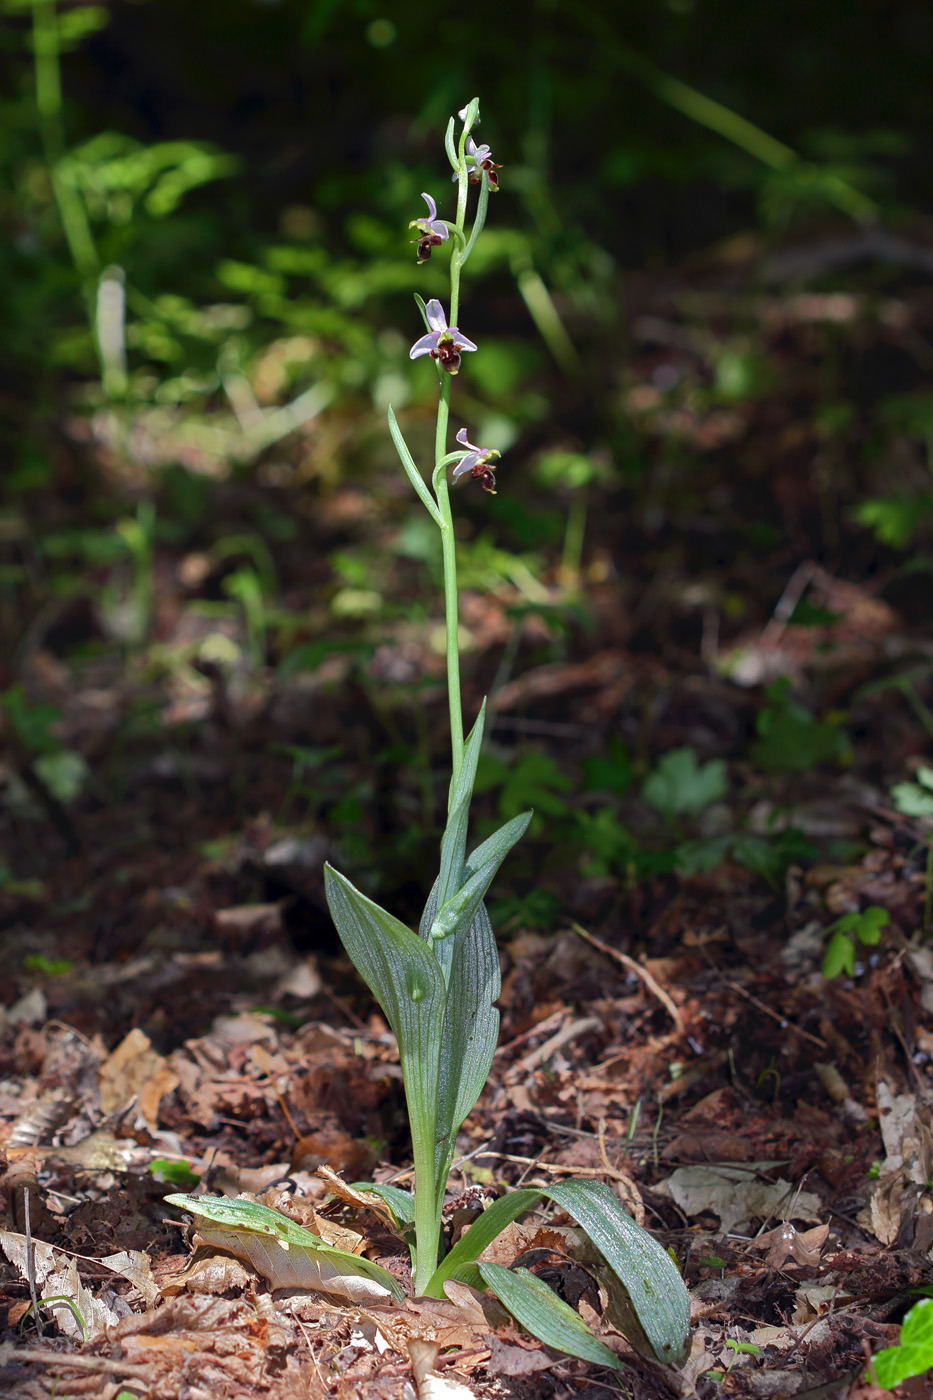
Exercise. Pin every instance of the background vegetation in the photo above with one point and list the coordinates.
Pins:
(704, 315)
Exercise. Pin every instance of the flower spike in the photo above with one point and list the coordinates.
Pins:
(433, 230)
(478, 462)
(442, 342)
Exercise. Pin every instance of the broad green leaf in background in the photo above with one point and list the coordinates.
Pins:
(914, 1353)
(915, 799)
(284, 1252)
(679, 784)
(546, 1316)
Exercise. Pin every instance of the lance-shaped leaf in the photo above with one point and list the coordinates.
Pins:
(406, 980)
(644, 1269)
(471, 1028)
(453, 842)
(284, 1252)
(401, 1203)
(546, 1316)
(479, 872)
(411, 470)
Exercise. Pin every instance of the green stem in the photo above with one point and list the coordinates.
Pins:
(451, 610)
(71, 210)
(427, 1215)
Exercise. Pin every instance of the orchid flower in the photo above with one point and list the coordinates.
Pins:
(442, 342)
(480, 159)
(478, 462)
(433, 230)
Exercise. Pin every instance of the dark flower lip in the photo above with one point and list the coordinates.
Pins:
(478, 462)
(443, 343)
(480, 159)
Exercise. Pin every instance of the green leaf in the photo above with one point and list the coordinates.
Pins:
(914, 1353)
(481, 1234)
(284, 1252)
(470, 1030)
(453, 842)
(839, 956)
(915, 799)
(679, 784)
(401, 1203)
(546, 1316)
(608, 772)
(644, 1268)
(411, 469)
(480, 872)
(405, 978)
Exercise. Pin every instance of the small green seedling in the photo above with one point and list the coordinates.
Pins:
(916, 800)
(172, 1172)
(845, 932)
(737, 1349)
(790, 737)
(913, 1354)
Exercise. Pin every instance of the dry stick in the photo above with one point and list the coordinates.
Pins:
(781, 1020)
(31, 1262)
(554, 1166)
(9, 1352)
(654, 987)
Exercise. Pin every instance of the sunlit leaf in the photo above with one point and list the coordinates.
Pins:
(283, 1252)
(546, 1316)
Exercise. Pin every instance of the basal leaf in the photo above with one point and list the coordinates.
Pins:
(546, 1316)
(284, 1252)
(401, 1203)
(406, 980)
(644, 1268)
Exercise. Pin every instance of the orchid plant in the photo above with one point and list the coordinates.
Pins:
(437, 987)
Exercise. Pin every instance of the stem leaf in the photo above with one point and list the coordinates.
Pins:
(411, 469)
(480, 871)
(471, 1029)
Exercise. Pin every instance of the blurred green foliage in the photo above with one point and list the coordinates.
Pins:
(207, 274)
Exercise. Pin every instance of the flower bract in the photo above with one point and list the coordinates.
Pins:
(442, 342)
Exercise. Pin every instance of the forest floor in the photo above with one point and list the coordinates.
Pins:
(177, 1011)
